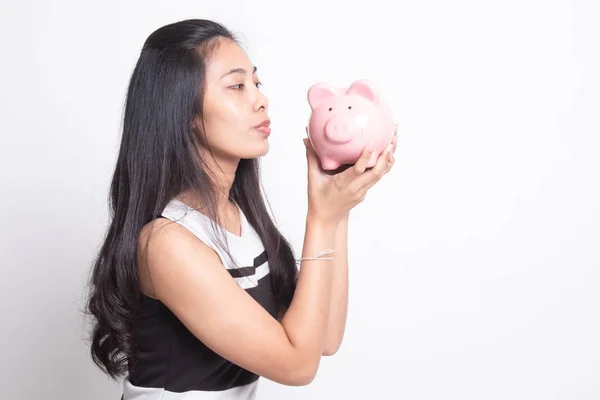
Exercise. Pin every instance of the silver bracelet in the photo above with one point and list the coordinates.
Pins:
(318, 256)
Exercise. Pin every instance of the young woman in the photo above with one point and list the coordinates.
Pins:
(195, 293)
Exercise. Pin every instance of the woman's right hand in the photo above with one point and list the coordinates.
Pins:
(331, 197)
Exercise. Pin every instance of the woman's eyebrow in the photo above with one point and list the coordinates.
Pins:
(238, 71)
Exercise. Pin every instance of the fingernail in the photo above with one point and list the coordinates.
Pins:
(370, 146)
(389, 148)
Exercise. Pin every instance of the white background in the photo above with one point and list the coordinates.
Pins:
(474, 263)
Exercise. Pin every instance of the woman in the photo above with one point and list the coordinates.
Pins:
(195, 293)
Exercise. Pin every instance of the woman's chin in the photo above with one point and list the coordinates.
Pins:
(257, 150)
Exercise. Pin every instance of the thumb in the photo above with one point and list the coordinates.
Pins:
(311, 157)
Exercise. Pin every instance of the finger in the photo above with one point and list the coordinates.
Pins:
(308, 149)
(371, 177)
(390, 158)
(358, 168)
(311, 157)
(386, 159)
(377, 178)
(361, 164)
(310, 152)
(390, 163)
(394, 143)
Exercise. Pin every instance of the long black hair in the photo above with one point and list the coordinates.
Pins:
(158, 159)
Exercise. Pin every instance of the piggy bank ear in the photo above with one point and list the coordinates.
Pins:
(365, 89)
(319, 92)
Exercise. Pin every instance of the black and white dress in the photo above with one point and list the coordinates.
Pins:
(172, 363)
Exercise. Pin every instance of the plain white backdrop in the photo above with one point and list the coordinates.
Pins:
(474, 264)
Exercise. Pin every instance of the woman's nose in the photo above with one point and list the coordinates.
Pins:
(261, 101)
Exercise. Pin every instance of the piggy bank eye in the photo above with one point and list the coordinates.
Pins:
(330, 108)
(349, 107)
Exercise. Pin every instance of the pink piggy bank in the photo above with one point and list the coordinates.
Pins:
(344, 121)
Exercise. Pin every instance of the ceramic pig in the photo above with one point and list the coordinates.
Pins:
(344, 121)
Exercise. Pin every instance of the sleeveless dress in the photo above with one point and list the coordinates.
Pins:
(172, 363)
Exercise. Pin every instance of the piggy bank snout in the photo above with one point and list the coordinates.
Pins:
(340, 130)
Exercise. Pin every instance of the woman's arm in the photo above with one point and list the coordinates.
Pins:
(336, 323)
(188, 277)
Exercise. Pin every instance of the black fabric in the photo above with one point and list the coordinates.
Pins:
(249, 271)
(171, 357)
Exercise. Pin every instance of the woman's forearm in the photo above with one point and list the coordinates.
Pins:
(306, 319)
(338, 311)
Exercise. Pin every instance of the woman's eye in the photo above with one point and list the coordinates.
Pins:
(240, 86)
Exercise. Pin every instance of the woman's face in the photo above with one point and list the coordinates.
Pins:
(234, 107)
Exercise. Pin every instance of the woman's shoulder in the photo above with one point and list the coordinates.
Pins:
(163, 233)
(159, 242)
(160, 229)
